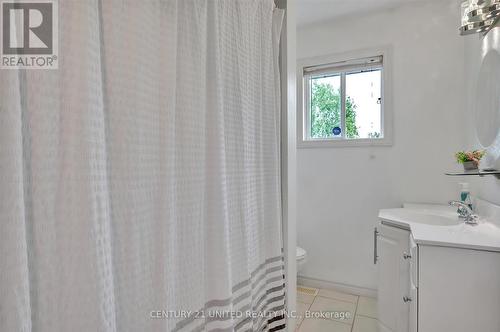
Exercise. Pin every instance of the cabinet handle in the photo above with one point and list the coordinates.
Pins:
(406, 255)
(375, 249)
(406, 299)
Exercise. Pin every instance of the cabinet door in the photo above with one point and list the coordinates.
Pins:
(413, 318)
(393, 278)
(459, 290)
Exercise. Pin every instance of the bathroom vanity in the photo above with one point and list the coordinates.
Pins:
(437, 273)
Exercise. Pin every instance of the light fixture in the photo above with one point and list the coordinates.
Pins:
(479, 16)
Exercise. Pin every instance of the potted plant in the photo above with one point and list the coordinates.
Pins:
(470, 159)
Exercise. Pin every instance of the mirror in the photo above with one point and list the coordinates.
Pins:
(487, 101)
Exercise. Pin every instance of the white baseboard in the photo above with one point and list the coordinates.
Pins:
(318, 283)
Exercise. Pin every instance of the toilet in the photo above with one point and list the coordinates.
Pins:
(301, 258)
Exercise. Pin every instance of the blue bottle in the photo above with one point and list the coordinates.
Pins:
(465, 194)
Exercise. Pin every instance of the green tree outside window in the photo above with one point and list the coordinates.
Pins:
(325, 111)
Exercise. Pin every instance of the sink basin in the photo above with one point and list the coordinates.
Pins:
(439, 225)
(428, 216)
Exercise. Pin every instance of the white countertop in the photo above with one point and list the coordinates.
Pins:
(415, 217)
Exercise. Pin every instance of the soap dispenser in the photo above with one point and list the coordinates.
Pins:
(465, 194)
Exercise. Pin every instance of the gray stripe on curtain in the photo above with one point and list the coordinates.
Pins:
(235, 301)
(244, 321)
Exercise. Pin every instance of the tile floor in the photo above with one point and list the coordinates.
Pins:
(362, 312)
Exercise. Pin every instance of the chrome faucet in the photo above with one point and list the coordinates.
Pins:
(465, 212)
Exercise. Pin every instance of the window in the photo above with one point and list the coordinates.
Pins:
(344, 102)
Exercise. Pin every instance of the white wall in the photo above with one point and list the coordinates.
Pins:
(476, 47)
(340, 190)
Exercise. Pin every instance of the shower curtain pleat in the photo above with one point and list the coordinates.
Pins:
(15, 307)
(143, 175)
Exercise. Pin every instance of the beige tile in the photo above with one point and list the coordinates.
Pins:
(337, 310)
(333, 294)
(364, 324)
(367, 306)
(323, 325)
(304, 298)
(301, 310)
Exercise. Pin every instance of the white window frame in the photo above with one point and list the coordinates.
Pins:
(302, 99)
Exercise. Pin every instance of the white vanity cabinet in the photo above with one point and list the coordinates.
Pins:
(458, 290)
(435, 288)
(392, 257)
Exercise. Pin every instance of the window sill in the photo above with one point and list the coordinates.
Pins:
(340, 143)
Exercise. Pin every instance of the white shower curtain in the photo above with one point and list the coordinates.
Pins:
(141, 180)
